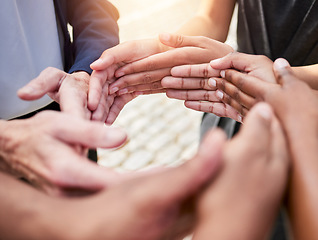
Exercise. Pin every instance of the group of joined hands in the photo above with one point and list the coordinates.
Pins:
(251, 170)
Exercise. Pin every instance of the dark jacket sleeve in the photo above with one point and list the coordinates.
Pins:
(95, 29)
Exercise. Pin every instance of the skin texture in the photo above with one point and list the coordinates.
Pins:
(146, 207)
(253, 175)
(44, 150)
(303, 143)
(69, 90)
(140, 71)
(137, 67)
(294, 103)
(236, 103)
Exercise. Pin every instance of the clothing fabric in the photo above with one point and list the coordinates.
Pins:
(274, 28)
(280, 28)
(27, 47)
(95, 29)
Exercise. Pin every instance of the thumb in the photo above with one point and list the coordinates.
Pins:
(283, 71)
(178, 41)
(49, 80)
(257, 126)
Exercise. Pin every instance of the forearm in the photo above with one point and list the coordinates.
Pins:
(308, 74)
(303, 198)
(213, 20)
(230, 225)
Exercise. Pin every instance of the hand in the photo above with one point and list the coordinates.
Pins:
(69, 90)
(43, 150)
(147, 207)
(197, 86)
(181, 50)
(233, 82)
(295, 104)
(242, 201)
(106, 66)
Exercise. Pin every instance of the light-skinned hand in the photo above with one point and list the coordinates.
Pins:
(44, 151)
(144, 208)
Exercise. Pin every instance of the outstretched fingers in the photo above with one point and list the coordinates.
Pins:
(189, 83)
(197, 70)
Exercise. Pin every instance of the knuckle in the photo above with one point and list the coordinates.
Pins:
(151, 65)
(206, 96)
(147, 77)
(179, 40)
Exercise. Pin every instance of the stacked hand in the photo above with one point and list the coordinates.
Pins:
(137, 67)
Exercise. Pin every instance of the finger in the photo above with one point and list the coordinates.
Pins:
(49, 80)
(180, 41)
(180, 182)
(201, 95)
(168, 59)
(223, 97)
(219, 109)
(197, 70)
(77, 131)
(126, 52)
(96, 84)
(235, 60)
(73, 98)
(74, 172)
(233, 93)
(151, 87)
(138, 78)
(100, 114)
(283, 72)
(257, 125)
(279, 152)
(189, 83)
(117, 106)
(250, 85)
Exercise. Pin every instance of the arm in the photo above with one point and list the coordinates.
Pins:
(158, 197)
(146, 67)
(212, 20)
(308, 74)
(95, 29)
(243, 200)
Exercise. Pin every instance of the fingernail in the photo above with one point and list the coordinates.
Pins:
(113, 90)
(212, 82)
(165, 36)
(222, 73)
(219, 94)
(281, 63)
(123, 91)
(120, 74)
(97, 62)
(240, 118)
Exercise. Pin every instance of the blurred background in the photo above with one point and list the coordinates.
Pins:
(162, 132)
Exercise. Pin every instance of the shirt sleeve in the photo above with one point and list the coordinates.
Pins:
(95, 29)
